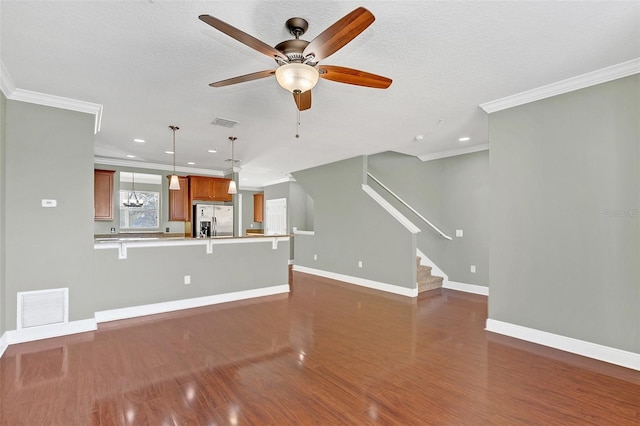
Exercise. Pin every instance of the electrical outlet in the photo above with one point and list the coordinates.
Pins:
(360, 264)
(315, 257)
(187, 279)
(166, 229)
(459, 233)
(473, 268)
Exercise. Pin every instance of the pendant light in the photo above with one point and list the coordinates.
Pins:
(233, 189)
(174, 182)
(133, 200)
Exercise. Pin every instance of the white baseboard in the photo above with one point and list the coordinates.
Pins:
(469, 288)
(3, 343)
(568, 344)
(363, 282)
(176, 305)
(48, 331)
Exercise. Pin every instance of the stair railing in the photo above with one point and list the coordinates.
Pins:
(404, 203)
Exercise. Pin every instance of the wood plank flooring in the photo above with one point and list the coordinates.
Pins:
(326, 354)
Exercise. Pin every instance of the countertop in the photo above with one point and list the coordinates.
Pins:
(117, 238)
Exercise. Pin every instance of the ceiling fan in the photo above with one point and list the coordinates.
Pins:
(298, 70)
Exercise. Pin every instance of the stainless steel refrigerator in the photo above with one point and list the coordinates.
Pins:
(212, 220)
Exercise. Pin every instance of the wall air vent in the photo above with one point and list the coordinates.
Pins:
(224, 122)
(43, 307)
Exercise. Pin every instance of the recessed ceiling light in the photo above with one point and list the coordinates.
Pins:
(131, 156)
(168, 152)
(139, 140)
(464, 139)
(191, 163)
(213, 151)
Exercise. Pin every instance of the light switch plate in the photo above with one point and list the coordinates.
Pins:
(459, 233)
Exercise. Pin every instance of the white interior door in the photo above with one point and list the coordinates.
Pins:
(275, 217)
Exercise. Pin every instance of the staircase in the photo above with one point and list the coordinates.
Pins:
(426, 281)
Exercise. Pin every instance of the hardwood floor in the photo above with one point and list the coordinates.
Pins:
(328, 353)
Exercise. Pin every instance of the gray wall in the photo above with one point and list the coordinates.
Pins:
(48, 155)
(156, 274)
(452, 193)
(565, 231)
(296, 205)
(350, 227)
(3, 296)
(298, 212)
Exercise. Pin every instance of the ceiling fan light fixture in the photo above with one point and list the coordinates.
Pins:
(297, 77)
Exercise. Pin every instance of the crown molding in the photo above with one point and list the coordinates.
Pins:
(13, 93)
(60, 102)
(454, 152)
(603, 75)
(283, 180)
(250, 188)
(156, 166)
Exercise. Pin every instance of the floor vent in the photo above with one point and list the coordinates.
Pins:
(43, 307)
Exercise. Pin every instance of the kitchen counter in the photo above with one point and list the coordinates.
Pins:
(170, 237)
(148, 274)
(122, 242)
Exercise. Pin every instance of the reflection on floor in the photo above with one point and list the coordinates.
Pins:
(327, 353)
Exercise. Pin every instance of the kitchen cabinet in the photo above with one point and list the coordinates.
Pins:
(258, 207)
(179, 204)
(221, 189)
(203, 188)
(103, 194)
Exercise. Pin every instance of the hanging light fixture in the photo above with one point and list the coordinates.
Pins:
(174, 182)
(297, 77)
(133, 200)
(233, 189)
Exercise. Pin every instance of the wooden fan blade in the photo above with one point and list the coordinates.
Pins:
(339, 34)
(303, 100)
(243, 78)
(356, 77)
(243, 37)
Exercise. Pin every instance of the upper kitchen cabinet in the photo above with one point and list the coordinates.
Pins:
(179, 205)
(258, 207)
(103, 194)
(221, 189)
(203, 188)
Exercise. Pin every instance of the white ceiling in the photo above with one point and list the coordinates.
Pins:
(149, 64)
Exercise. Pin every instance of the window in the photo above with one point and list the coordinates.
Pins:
(146, 188)
(145, 217)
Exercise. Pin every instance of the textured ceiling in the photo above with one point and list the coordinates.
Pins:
(149, 64)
